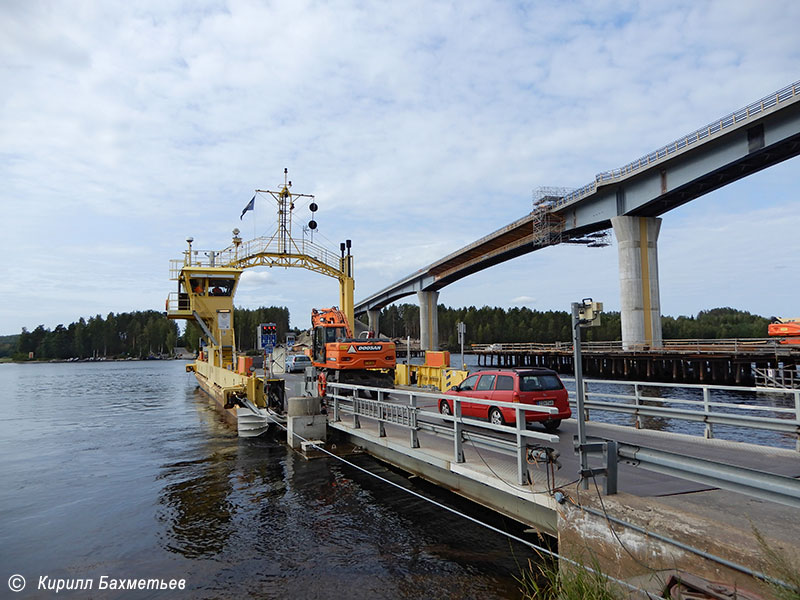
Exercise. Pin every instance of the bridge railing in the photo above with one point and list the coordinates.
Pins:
(737, 117)
(404, 412)
(634, 400)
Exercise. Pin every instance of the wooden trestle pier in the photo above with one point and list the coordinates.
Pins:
(721, 362)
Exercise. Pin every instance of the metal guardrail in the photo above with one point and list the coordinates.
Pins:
(407, 415)
(759, 484)
(640, 405)
(735, 118)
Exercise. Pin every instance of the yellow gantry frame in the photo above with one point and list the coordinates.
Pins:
(304, 261)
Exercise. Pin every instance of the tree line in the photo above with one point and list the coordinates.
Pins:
(139, 334)
(149, 333)
(488, 325)
(245, 327)
(133, 334)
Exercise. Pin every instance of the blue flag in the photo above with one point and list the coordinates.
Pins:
(250, 206)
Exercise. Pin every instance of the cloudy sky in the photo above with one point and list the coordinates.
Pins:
(418, 126)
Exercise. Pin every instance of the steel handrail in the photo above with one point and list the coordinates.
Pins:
(745, 407)
(759, 484)
(519, 430)
(634, 407)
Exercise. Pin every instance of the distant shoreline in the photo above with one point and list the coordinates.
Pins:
(47, 361)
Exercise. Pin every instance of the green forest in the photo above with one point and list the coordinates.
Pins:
(488, 325)
(245, 324)
(150, 334)
(136, 334)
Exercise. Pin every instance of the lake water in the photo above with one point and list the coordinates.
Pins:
(125, 470)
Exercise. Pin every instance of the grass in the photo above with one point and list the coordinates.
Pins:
(779, 566)
(545, 581)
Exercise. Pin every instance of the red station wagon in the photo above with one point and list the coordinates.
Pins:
(529, 386)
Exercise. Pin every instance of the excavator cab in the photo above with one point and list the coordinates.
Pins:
(322, 337)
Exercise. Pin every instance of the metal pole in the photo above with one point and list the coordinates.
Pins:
(462, 330)
(412, 402)
(797, 417)
(458, 451)
(463, 363)
(709, 432)
(522, 449)
(579, 392)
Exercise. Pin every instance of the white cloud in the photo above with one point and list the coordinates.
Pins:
(420, 127)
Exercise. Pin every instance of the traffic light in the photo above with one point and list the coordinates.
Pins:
(268, 336)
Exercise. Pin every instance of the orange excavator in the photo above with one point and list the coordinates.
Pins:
(788, 329)
(339, 357)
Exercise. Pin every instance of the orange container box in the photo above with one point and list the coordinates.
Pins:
(245, 363)
(437, 358)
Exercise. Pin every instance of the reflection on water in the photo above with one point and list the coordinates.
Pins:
(125, 470)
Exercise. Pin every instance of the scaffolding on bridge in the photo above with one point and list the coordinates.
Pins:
(548, 225)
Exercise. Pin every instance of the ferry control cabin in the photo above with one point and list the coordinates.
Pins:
(205, 295)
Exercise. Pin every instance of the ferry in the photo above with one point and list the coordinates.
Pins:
(205, 295)
(206, 285)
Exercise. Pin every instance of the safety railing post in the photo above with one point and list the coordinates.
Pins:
(797, 418)
(412, 403)
(458, 451)
(381, 416)
(637, 400)
(709, 432)
(611, 467)
(356, 421)
(522, 467)
(336, 414)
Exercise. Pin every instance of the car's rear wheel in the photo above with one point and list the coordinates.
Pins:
(552, 426)
(444, 408)
(496, 417)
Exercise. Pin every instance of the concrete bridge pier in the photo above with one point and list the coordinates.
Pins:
(638, 280)
(374, 318)
(428, 320)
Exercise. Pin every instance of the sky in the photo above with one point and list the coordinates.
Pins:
(418, 126)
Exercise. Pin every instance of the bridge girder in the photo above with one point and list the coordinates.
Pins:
(669, 182)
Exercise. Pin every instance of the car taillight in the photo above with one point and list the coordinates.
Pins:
(515, 397)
